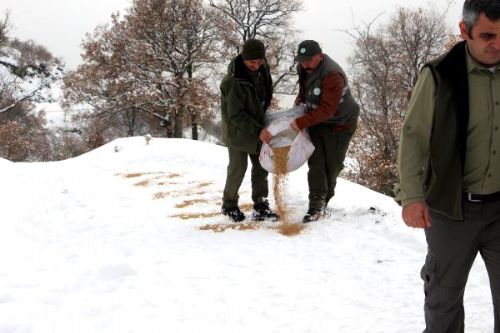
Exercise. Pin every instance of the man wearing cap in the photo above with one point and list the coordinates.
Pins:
(246, 93)
(331, 117)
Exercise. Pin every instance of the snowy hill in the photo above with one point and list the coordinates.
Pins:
(128, 238)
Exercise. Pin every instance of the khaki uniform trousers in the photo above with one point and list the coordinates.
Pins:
(238, 162)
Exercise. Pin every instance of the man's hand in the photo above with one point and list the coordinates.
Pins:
(265, 136)
(416, 215)
(294, 125)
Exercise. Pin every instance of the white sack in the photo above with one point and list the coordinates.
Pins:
(301, 147)
(300, 150)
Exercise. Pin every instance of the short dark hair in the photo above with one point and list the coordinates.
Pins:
(472, 9)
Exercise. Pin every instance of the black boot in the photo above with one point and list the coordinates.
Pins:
(313, 214)
(234, 213)
(261, 212)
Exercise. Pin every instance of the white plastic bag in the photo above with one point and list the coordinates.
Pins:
(300, 151)
(301, 147)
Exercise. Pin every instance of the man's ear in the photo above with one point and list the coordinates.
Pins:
(463, 31)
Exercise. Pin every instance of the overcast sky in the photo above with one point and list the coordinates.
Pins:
(61, 25)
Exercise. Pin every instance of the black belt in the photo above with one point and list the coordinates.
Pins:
(479, 198)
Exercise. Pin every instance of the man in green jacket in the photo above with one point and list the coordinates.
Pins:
(449, 162)
(331, 117)
(247, 90)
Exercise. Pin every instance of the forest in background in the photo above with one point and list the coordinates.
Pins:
(155, 70)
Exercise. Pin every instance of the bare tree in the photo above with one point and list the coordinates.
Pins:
(257, 18)
(4, 28)
(15, 89)
(270, 21)
(26, 74)
(27, 71)
(384, 66)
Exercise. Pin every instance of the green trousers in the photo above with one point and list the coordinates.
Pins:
(326, 162)
(452, 248)
(238, 161)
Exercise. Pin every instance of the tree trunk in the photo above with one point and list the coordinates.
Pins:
(178, 122)
(168, 131)
(194, 120)
(194, 126)
(131, 120)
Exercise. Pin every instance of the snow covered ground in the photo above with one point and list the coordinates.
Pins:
(128, 238)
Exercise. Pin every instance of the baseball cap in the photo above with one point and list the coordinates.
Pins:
(307, 49)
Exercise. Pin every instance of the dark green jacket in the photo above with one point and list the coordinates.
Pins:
(242, 111)
(444, 174)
